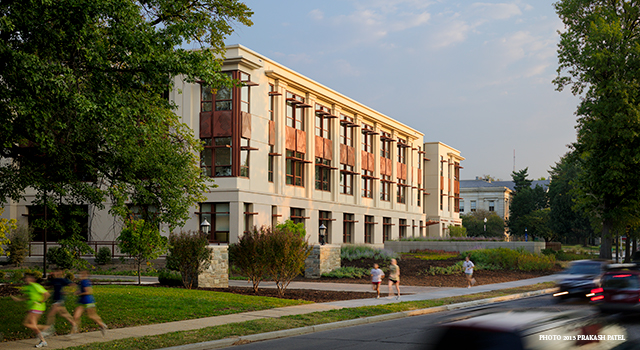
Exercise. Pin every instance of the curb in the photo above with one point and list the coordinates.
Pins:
(245, 339)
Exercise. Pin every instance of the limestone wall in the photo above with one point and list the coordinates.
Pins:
(460, 246)
(323, 259)
(217, 275)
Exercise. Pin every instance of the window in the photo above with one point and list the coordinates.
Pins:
(274, 216)
(216, 159)
(295, 168)
(367, 184)
(492, 206)
(421, 229)
(419, 198)
(323, 174)
(386, 229)
(297, 215)
(401, 191)
(473, 206)
(402, 151)
(385, 145)
(223, 97)
(441, 166)
(295, 116)
(346, 179)
(403, 228)
(325, 219)
(248, 217)
(461, 206)
(368, 228)
(385, 188)
(347, 233)
(367, 138)
(270, 164)
(217, 214)
(346, 130)
(71, 219)
(244, 92)
(323, 124)
(272, 101)
(244, 157)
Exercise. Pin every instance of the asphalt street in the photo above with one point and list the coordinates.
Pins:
(411, 333)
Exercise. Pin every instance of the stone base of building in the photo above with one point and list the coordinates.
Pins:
(323, 259)
(217, 275)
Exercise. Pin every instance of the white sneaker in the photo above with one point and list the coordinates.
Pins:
(41, 344)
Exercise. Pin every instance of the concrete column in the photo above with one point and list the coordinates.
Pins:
(279, 116)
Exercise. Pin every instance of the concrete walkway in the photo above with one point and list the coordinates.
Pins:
(422, 293)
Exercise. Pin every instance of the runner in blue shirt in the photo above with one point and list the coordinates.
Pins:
(86, 301)
(59, 282)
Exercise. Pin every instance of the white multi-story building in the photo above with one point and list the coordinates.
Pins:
(283, 146)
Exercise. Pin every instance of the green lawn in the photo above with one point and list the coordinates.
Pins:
(289, 322)
(126, 306)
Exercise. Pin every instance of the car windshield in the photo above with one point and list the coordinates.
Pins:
(621, 281)
(584, 269)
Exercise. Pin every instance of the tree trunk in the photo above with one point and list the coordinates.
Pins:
(627, 249)
(605, 245)
(139, 279)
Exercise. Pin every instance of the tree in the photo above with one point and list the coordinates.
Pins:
(142, 241)
(474, 223)
(189, 252)
(569, 223)
(285, 252)
(457, 231)
(249, 255)
(525, 201)
(84, 113)
(6, 225)
(599, 59)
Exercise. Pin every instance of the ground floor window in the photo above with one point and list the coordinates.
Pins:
(325, 219)
(386, 229)
(347, 233)
(368, 228)
(403, 228)
(297, 215)
(217, 214)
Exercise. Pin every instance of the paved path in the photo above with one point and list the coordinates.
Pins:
(427, 293)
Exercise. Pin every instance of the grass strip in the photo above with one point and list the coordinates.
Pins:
(126, 306)
(289, 322)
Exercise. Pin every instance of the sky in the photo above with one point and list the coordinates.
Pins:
(476, 76)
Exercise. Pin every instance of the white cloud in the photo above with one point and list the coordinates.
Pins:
(495, 11)
(454, 32)
(316, 14)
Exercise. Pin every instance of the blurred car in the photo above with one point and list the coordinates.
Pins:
(530, 329)
(579, 279)
(620, 289)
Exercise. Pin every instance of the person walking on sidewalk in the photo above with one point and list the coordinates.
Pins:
(394, 278)
(376, 278)
(468, 271)
(36, 296)
(59, 282)
(87, 302)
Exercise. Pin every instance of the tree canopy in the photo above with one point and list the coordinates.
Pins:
(599, 59)
(474, 223)
(523, 217)
(84, 113)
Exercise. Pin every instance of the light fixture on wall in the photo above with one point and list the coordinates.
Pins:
(205, 226)
(323, 229)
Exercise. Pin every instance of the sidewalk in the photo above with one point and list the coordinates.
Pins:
(422, 293)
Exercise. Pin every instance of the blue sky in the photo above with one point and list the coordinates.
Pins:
(474, 75)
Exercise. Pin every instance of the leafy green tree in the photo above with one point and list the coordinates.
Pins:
(6, 226)
(525, 201)
(569, 223)
(190, 253)
(84, 113)
(474, 223)
(457, 231)
(537, 224)
(599, 59)
(249, 255)
(142, 241)
(285, 252)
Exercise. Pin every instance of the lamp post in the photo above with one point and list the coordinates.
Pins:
(322, 228)
(526, 238)
(205, 226)
(485, 226)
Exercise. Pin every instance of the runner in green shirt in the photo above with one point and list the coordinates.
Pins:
(36, 297)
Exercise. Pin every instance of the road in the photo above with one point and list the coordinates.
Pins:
(411, 332)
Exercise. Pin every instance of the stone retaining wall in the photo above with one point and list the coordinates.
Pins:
(217, 275)
(460, 246)
(323, 259)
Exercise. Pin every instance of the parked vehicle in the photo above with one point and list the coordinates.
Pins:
(580, 278)
(620, 289)
(530, 329)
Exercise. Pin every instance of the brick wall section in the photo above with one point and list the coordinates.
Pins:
(217, 275)
(323, 259)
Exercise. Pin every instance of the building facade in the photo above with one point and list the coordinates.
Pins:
(282, 146)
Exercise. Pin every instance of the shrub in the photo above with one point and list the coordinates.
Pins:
(357, 252)
(60, 257)
(457, 231)
(348, 272)
(448, 270)
(285, 252)
(509, 259)
(189, 252)
(2, 275)
(431, 254)
(17, 276)
(18, 248)
(248, 255)
(531, 262)
(103, 256)
(169, 278)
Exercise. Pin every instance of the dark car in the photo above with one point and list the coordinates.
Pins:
(529, 329)
(620, 290)
(580, 278)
